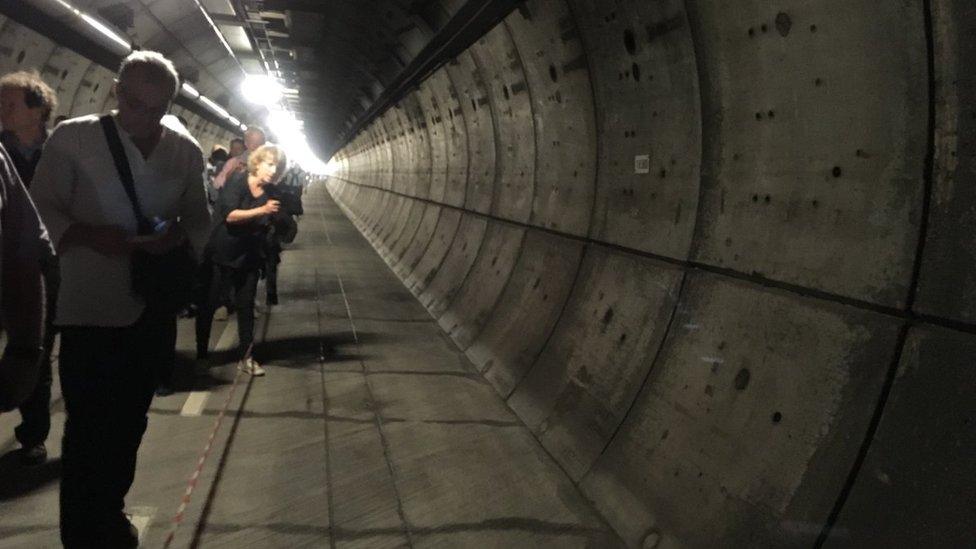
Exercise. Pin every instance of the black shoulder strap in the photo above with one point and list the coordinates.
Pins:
(125, 172)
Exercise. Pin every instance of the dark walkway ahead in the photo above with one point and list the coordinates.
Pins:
(370, 430)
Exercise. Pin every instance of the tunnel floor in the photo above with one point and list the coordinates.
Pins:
(370, 430)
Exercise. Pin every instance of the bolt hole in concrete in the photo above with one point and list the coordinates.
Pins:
(629, 42)
(552, 73)
(836, 172)
(777, 417)
(742, 379)
(783, 23)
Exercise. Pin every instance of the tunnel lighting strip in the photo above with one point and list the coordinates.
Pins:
(220, 35)
(97, 25)
(215, 107)
(190, 90)
(127, 48)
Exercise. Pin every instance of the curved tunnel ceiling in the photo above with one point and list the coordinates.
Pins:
(718, 255)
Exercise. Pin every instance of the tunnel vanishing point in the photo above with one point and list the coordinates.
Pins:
(719, 256)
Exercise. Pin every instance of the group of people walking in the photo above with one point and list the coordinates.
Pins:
(113, 202)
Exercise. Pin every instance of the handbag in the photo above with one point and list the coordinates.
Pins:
(166, 280)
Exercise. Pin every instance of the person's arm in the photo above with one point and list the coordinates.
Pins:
(229, 167)
(236, 217)
(21, 291)
(52, 189)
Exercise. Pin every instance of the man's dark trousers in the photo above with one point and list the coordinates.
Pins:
(108, 376)
(35, 412)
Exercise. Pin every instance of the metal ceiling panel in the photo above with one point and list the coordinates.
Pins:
(222, 7)
(236, 37)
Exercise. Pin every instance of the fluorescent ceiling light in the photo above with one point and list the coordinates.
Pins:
(98, 25)
(216, 30)
(261, 89)
(214, 107)
(190, 90)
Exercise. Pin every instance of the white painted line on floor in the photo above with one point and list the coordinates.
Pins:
(193, 407)
(141, 517)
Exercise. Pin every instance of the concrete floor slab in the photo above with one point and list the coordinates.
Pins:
(464, 477)
(439, 398)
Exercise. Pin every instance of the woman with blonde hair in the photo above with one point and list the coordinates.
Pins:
(236, 252)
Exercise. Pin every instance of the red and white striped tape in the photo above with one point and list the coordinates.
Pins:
(192, 483)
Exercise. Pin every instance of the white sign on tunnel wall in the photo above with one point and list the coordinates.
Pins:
(642, 163)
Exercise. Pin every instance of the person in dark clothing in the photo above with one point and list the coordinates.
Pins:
(26, 104)
(237, 250)
(283, 232)
(22, 241)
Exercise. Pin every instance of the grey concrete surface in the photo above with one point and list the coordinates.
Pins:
(726, 272)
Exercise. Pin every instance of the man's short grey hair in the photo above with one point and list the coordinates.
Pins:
(155, 62)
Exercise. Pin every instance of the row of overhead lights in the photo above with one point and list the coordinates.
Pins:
(123, 47)
(258, 89)
(288, 130)
(261, 89)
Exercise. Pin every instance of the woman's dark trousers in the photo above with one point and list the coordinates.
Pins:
(244, 282)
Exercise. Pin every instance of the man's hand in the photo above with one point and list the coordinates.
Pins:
(104, 239)
(271, 207)
(161, 243)
(18, 376)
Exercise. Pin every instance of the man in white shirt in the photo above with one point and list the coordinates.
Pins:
(111, 343)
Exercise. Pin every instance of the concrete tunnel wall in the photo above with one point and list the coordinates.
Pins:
(764, 339)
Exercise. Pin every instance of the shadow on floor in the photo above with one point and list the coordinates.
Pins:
(302, 352)
(17, 481)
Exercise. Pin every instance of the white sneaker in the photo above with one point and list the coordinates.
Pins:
(221, 314)
(251, 367)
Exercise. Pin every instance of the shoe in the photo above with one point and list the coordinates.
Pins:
(251, 367)
(221, 314)
(123, 534)
(32, 456)
(164, 390)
